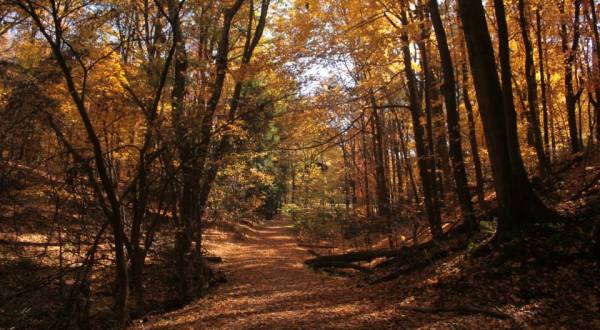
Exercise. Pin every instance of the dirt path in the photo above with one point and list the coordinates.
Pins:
(269, 288)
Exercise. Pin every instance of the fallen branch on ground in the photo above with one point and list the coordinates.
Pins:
(367, 255)
(356, 256)
(421, 260)
(247, 223)
(316, 246)
(313, 253)
(348, 265)
(457, 310)
(213, 259)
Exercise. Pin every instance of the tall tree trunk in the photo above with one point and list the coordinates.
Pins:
(479, 179)
(434, 158)
(365, 155)
(206, 126)
(424, 161)
(569, 53)
(407, 164)
(510, 115)
(538, 22)
(114, 214)
(452, 117)
(398, 166)
(441, 148)
(345, 158)
(189, 175)
(518, 203)
(353, 177)
(383, 199)
(543, 164)
(596, 101)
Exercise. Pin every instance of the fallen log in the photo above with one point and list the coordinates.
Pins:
(337, 272)
(388, 262)
(420, 260)
(457, 310)
(213, 259)
(314, 253)
(247, 223)
(355, 256)
(347, 265)
(316, 246)
(367, 255)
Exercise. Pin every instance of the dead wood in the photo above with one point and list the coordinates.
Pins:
(457, 310)
(368, 255)
(314, 253)
(316, 246)
(213, 259)
(419, 260)
(345, 265)
(356, 256)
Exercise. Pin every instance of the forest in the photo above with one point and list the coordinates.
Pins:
(299, 164)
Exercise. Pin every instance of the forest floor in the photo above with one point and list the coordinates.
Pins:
(269, 287)
(547, 280)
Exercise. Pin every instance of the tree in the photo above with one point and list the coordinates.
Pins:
(425, 162)
(571, 96)
(452, 116)
(518, 203)
(544, 165)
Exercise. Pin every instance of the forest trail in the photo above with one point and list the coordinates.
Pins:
(268, 287)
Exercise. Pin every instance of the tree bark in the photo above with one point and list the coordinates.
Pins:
(424, 161)
(479, 179)
(114, 214)
(596, 102)
(569, 53)
(206, 127)
(367, 193)
(383, 200)
(453, 118)
(538, 22)
(518, 203)
(544, 166)
(408, 166)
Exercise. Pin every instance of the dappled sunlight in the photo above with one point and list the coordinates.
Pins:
(269, 287)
